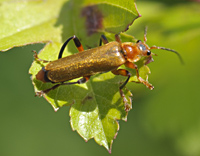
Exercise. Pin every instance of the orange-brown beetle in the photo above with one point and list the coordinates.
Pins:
(104, 58)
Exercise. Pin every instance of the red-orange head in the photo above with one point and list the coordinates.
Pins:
(134, 51)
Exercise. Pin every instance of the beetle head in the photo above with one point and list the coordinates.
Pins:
(134, 52)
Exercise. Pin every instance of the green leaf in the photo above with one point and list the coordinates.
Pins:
(97, 105)
(27, 22)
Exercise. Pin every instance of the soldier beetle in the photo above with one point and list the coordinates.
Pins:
(105, 58)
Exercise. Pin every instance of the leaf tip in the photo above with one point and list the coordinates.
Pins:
(116, 134)
(139, 15)
(55, 109)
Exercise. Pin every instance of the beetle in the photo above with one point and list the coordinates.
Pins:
(105, 58)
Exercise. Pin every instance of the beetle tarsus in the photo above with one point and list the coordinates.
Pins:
(127, 106)
(39, 93)
(134, 66)
(37, 58)
(147, 84)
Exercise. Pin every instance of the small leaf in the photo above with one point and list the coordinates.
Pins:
(96, 105)
(25, 22)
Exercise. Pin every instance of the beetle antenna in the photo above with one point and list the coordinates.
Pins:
(145, 34)
(163, 48)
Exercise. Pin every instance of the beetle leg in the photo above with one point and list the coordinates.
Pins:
(76, 42)
(80, 81)
(40, 93)
(83, 80)
(134, 66)
(117, 38)
(37, 58)
(123, 72)
(145, 34)
(103, 39)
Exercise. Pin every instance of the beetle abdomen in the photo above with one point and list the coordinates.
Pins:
(42, 75)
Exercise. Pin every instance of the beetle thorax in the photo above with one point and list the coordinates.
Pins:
(131, 51)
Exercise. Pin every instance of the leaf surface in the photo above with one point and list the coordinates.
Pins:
(97, 105)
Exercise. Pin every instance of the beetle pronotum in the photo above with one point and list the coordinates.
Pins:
(104, 58)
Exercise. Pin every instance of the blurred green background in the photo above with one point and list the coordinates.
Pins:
(163, 122)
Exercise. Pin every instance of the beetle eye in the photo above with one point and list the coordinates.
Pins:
(138, 41)
(148, 52)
